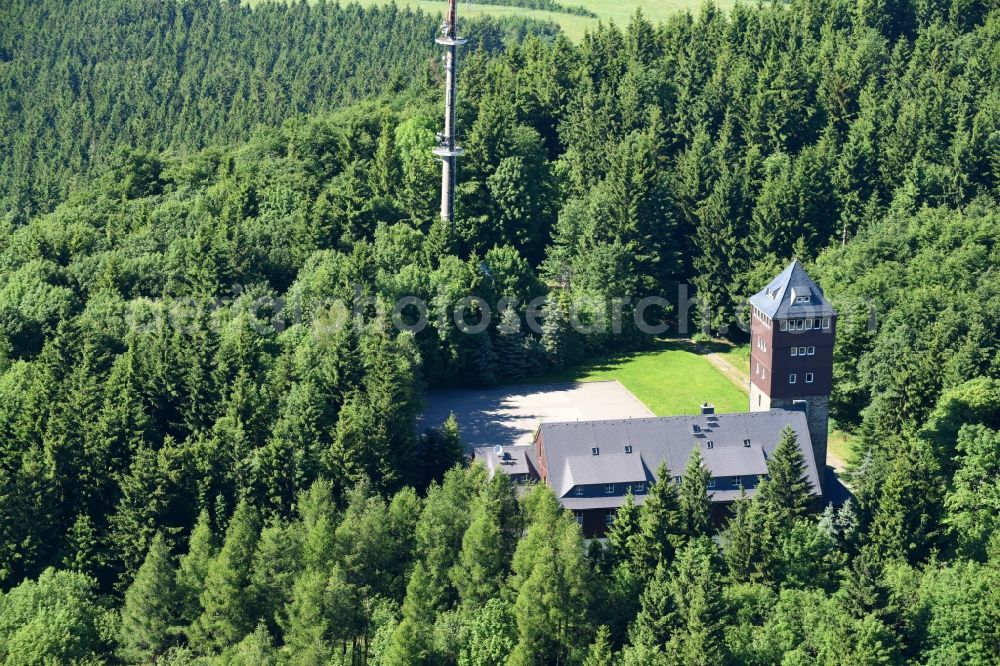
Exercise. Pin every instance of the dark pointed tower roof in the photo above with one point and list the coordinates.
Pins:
(792, 294)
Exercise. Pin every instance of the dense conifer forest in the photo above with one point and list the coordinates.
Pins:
(208, 450)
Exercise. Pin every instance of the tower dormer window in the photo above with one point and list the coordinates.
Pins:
(628, 448)
(595, 451)
(710, 444)
(802, 299)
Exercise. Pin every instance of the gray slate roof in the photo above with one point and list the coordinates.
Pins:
(612, 468)
(513, 459)
(670, 440)
(777, 300)
(735, 461)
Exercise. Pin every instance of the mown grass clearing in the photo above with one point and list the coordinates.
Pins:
(619, 11)
(671, 379)
(839, 449)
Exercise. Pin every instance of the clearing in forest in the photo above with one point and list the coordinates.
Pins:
(670, 379)
(619, 11)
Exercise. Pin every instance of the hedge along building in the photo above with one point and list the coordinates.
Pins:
(593, 465)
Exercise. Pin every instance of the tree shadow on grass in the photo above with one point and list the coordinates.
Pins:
(616, 360)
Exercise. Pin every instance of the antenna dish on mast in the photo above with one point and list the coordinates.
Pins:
(448, 149)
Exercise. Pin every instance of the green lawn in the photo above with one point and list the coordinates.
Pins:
(669, 380)
(839, 446)
(619, 11)
(737, 355)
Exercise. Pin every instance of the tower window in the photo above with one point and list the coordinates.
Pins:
(800, 324)
(809, 324)
(639, 488)
(737, 481)
(826, 322)
(795, 351)
(579, 518)
(809, 378)
(711, 483)
(609, 488)
(609, 517)
(811, 351)
(784, 325)
(816, 323)
(802, 351)
(578, 491)
(792, 378)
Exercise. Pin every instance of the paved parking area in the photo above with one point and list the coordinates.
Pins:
(509, 415)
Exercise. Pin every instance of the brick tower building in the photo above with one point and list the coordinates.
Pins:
(793, 328)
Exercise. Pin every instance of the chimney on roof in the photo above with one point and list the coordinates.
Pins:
(707, 408)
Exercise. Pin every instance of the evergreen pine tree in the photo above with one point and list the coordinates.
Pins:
(659, 524)
(749, 540)
(479, 571)
(257, 649)
(600, 653)
(306, 629)
(193, 568)
(698, 614)
(510, 350)
(411, 643)
(652, 627)
(150, 609)
(622, 532)
(555, 329)
(550, 584)
(227, 601)
(787, 493)
(695, 505)
(134, 520)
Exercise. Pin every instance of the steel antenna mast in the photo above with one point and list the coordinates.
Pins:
(447, 149)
